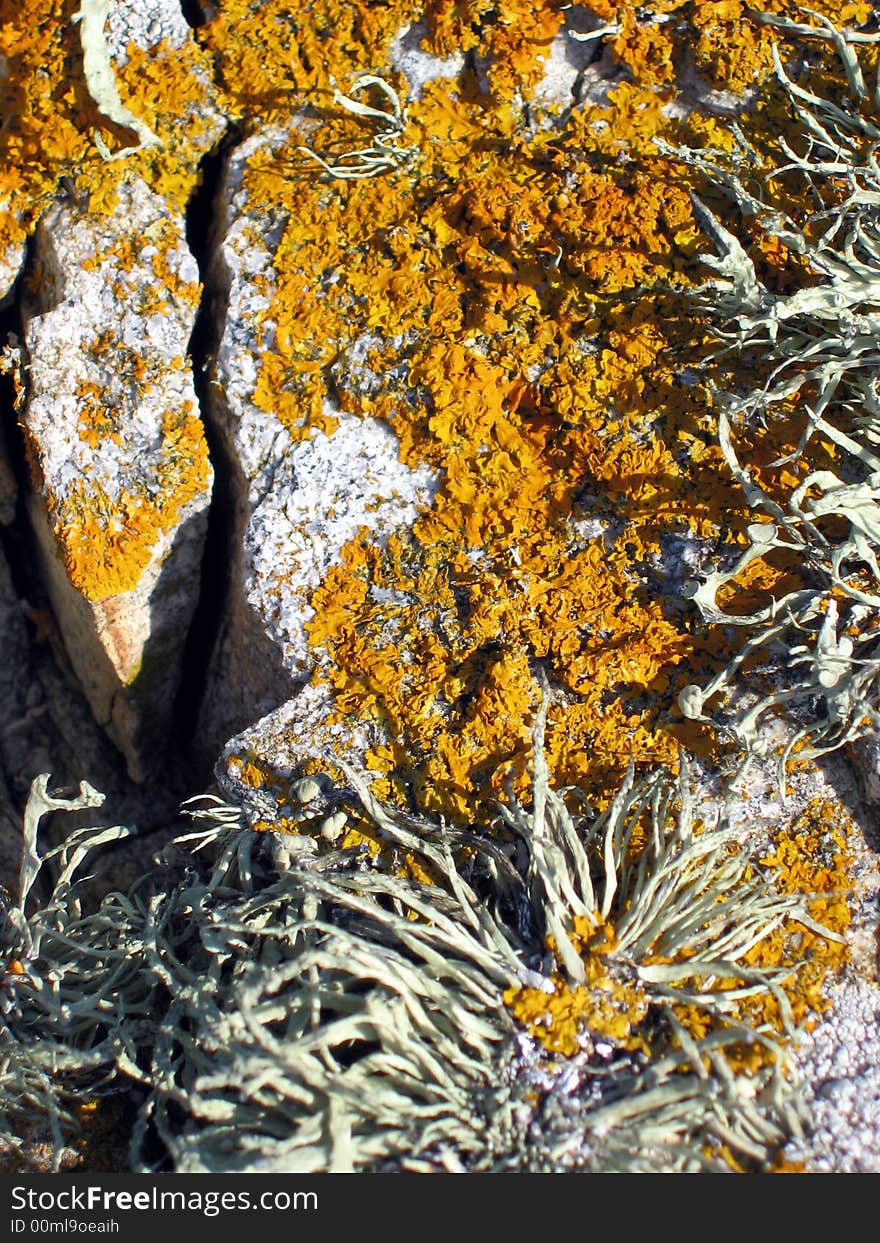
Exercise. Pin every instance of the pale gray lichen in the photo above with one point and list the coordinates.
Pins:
(384, 154)
(286, 1005)
(327, 1013)
(101, 81)
(73, 995)
(823, 341)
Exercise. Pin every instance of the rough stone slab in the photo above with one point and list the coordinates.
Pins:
(117, 453)
(296, 504)
(838, 1063)
(119, 463)
(146, 24)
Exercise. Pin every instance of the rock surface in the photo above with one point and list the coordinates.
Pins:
(112, 428)
(449, 417)
(296, 504)
(114, 438)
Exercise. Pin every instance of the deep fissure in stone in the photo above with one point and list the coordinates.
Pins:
(17, 538)
(13, 536)
(195, 14)
(202, 235)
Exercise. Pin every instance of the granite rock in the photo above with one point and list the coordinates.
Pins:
(119, 463)
(118, 455)
(296, 503)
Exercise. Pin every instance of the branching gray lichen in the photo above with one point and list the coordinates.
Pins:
(327, 1015)
(286, 1005)
(73, 995)
(824, 343)
(384, 154)
(685, 906)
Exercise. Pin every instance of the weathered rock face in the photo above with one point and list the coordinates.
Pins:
(460, 418)
(298, 503)
(301, 503)
(10, 266)
(116, 443)
(112, 426)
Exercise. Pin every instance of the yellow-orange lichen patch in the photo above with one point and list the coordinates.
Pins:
(97, 419)
(812, 858)
(273, 56)
(542, 376)
(46, 143)
(809, 859)
(513, 37)
(520, 294)
(107, 541)
(42, 135)
(609, 1005)
(725, 40)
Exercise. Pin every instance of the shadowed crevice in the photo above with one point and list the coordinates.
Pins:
(203, 228)
(195, 13)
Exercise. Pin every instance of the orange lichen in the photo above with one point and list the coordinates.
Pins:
(45, 118)
(725, 40)
(609, 1005)
(107, 541)
(272, 56)
(532, 381)
(812, 858)
(513, 36)
(46, 144)
(97, 421)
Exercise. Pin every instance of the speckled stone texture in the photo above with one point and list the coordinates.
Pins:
(124, 632)
(295, 504)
